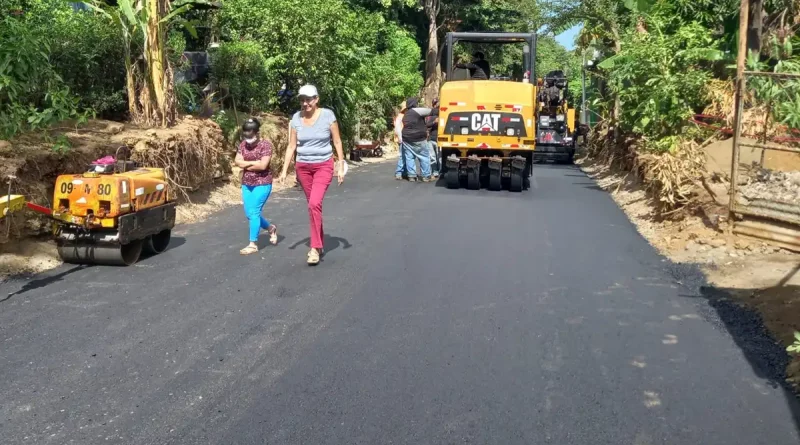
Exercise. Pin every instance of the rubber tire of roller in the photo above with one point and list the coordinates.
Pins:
(157, 243)
(474, 178)
(495, 179)
(515, 185)
(451, 178)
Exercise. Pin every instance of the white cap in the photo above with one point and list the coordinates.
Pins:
(308, 91)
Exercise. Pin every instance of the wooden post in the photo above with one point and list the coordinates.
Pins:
(739, 102)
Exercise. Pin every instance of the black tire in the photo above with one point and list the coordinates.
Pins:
(526, 177)
(474, 179)
(495, 179)
(451, 178)
(158, 243)
(517, 181)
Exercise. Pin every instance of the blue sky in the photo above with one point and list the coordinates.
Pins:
(567, 38)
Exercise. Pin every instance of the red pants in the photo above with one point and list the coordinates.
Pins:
(315, 179)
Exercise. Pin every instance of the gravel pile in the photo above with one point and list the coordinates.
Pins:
(774, 186)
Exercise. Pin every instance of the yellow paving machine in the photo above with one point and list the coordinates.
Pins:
(109, 214)
(556, 133)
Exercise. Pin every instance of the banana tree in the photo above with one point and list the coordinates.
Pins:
(149, 76)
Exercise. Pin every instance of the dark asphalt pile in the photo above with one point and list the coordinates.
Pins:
(437, 317)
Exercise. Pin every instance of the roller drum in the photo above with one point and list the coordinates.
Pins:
(86, 252)
(157, 243)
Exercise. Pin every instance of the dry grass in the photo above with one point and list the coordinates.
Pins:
(721, 98)
(756, 120)
(670, 179)
(191, 154)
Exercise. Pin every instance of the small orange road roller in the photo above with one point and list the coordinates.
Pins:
(109, 214)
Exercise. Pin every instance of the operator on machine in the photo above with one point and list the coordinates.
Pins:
(478, 68)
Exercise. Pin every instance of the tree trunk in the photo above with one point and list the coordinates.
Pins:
(155, 59)
(433, 75)
(617, 103)
(130, 85)
(148, 76)
(756, 26)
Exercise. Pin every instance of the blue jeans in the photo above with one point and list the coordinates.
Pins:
(254, 197)
(432, 147)
(401, 162)
(417, 150)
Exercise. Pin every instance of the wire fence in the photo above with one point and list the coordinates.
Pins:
(765, 173)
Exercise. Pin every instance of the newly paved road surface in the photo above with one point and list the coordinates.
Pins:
(438, 317)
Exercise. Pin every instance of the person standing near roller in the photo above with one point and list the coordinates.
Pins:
(415, 140)
(311, 131)
(398, 137)
(253, 157)
(432, 122)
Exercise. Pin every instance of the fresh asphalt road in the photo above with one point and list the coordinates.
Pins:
(437, 317)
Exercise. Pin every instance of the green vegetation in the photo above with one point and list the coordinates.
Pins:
(241, 68)
(658, 59)
(795, 346)
(362, 64)
(44, 79)
(63, 60)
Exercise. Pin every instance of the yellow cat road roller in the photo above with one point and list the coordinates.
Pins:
(487, 128)
(111, 213)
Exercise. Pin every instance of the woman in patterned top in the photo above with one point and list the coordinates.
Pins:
(253, 157)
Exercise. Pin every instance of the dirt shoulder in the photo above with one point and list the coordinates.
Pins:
(757, 275)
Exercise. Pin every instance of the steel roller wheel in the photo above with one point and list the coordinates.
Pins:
(158, 243)
(107, 254)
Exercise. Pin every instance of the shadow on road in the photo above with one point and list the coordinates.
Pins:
(553, 165)
(263, 241)
(591, 186)
(441, 183)
(331, 243)
(752, 317)
(44, 281)
(174, 243)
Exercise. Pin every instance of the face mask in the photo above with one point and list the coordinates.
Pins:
(250, 140)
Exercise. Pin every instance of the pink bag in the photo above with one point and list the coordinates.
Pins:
(107, 160)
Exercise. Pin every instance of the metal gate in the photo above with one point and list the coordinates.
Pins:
(765, 165)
